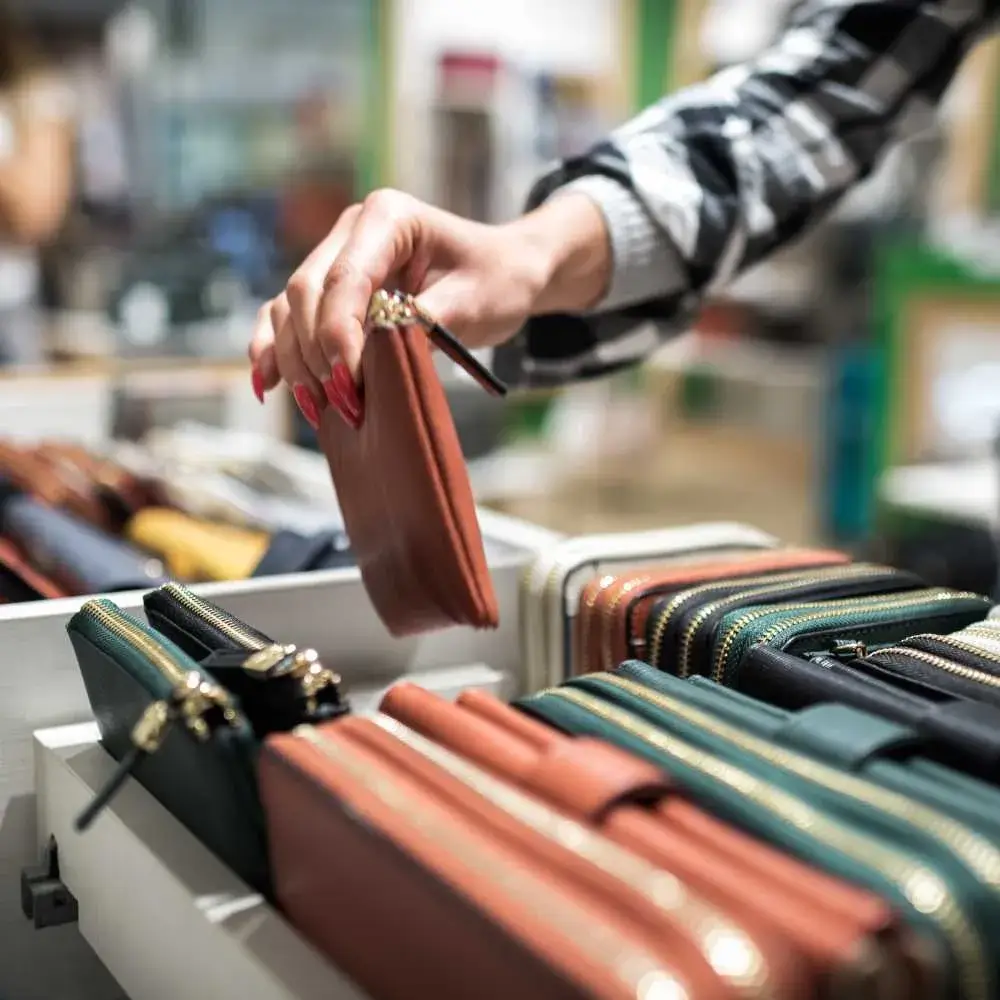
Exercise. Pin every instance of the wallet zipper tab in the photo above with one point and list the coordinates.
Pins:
(195, 701)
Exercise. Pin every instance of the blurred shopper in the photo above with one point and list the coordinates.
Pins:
(678, 201)
(36, 171)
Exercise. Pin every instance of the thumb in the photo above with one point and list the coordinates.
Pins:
(453, 302)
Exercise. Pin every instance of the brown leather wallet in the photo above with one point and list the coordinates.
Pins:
(611, 623)
(419, 880)
(20, 581)
(845, 938)
(53, 482)
(404, 491)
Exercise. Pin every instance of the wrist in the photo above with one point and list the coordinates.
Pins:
(567, 243)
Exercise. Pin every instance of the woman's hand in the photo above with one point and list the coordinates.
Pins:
(481, 282)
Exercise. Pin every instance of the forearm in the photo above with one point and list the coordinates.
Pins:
(719, 176)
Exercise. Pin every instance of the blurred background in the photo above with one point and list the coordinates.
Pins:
(164, 164)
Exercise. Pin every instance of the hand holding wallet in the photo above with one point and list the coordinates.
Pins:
(402, 483)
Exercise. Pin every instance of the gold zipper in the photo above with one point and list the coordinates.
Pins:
(939, 662)
(638, 970)
(921, 885)
(268, 659)
(990, 639)
(801, 578)
(193, 697)
(672, 607)
(828, 608)
(727, 948)
(978, 854)
(588, 606)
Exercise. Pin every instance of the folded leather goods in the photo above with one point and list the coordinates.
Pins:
(489, 892)
(614, 607)
(181, 734)
(289, 552)
(402, 482)
(20, 581)
(279, 686)
(939, 875)
(963, 734)
(681, 629)
(552, 586)
(840, 939)
(81, 559)
(196, 550)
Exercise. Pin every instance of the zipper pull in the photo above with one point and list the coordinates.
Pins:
(147, 737)
(848, 650)
(277, 661)
(194, 702)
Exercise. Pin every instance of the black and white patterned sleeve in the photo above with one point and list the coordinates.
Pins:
(718, 176)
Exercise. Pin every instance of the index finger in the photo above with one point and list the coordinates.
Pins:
(379, 246)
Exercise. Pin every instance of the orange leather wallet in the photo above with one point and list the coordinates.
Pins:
(611, 623)
(419, 874)
(845, 938)
(403, 486)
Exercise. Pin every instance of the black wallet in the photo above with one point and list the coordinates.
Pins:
(964, 734)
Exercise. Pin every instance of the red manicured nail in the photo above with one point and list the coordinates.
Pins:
(348, 391)
(307, 405)
(257, 381)
(351, 416)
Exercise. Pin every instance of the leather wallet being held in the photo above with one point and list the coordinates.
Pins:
(402, 482)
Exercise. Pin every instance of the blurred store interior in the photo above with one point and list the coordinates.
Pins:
(844, 393)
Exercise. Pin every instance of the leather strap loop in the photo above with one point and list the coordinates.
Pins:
(589, 777)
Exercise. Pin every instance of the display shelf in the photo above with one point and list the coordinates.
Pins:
(163, 914)
(40, 687)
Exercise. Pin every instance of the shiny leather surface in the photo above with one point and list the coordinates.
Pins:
(614, 608)
(405, 495)
(795, 912)
(406, 915)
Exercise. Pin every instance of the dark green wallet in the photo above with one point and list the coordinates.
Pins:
(942, 878)
(183, 736)
(874, 748)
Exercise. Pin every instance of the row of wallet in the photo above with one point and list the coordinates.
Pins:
(621, 833)
(75, 523)
(793, 627)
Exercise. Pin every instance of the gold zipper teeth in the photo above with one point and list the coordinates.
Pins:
(116, 623)
(800, 578)
(920, 884)
(229, 626)
(980, 856)
(989, 650)
(666, 616)
(641, 972)
(727, 948)
(828, 608)
(196, 693)
(941, 663)
(583, 621)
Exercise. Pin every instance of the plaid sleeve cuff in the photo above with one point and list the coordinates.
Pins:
(646, 265)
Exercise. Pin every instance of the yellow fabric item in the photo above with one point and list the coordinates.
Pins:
(195, 550)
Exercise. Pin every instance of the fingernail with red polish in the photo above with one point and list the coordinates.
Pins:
(352, 417)
(348, 391)
(257, 381)
(307, 405)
